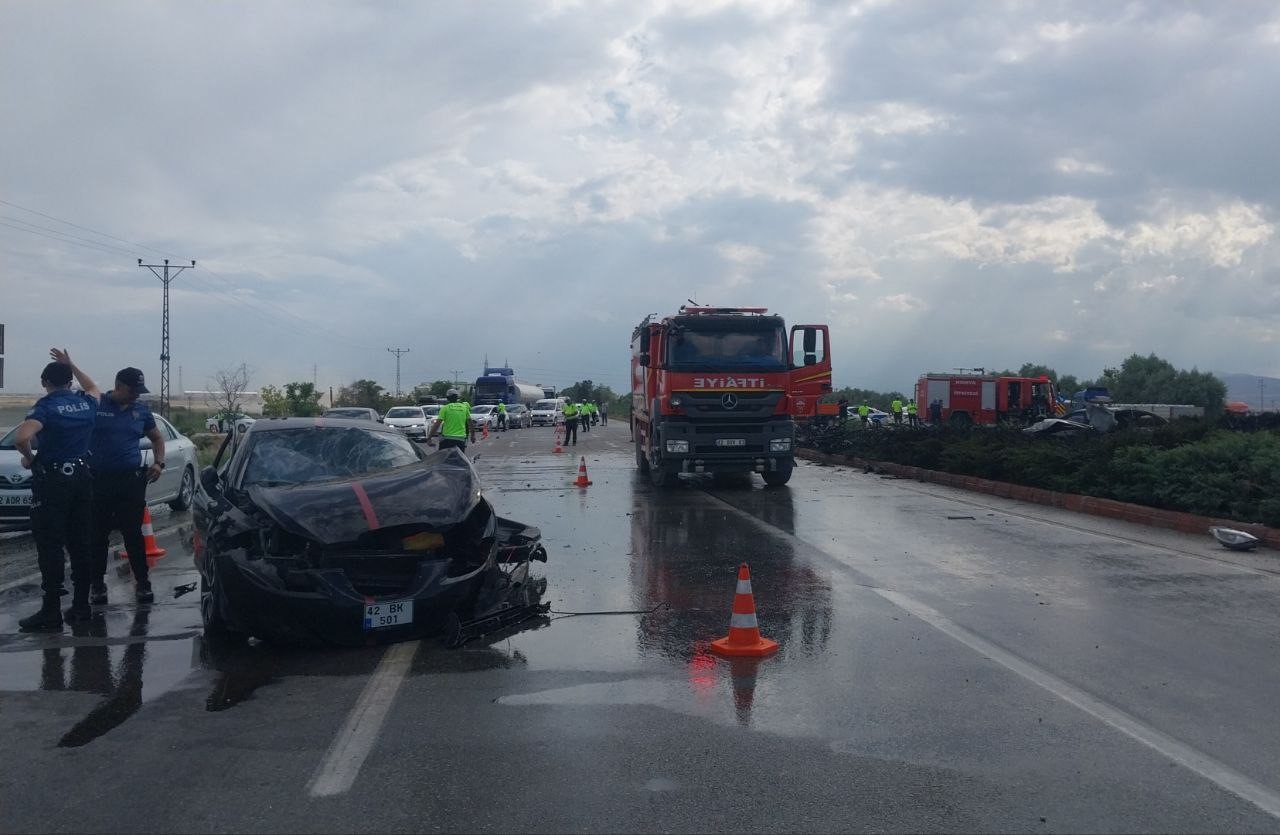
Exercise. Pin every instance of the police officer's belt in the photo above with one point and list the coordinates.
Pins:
(67, 467)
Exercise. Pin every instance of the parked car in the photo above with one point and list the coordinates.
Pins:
(348, 533)
(174, 487)
(411, 420)
(353, 413)
(518, 416)
(484, 415)
(222, 421)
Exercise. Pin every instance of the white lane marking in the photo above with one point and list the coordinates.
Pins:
(337, 771)
(1179, 752)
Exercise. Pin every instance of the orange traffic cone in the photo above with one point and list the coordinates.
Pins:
(152, 550)
(486, 431)
(582, 481)
(559, 449)
(744, 636)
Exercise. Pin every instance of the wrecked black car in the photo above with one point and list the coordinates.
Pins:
(309, 530)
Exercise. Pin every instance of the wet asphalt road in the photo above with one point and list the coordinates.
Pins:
(948, 662)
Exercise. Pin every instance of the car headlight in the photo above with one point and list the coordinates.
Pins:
(678, 446)
(780, 445)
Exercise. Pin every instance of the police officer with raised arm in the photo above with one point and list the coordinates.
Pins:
(120, 481)
(60, 425)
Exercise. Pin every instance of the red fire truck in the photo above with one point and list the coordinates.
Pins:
(985, 399)
(718, 390)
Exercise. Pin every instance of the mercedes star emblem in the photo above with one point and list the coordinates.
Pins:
(729, 401)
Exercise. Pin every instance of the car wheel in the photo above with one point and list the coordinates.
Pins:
(642, 462)
(780, 476)
(183, 500)
(211, 611)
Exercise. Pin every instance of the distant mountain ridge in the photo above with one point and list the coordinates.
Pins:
(1244, 387)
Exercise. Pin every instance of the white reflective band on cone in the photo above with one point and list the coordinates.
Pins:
(744, 587)
(743, 621)
(147, 530)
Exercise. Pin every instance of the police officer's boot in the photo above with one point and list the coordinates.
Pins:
(79, 609)
(48, 619)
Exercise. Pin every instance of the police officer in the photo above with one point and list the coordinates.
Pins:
(863, 411)
(584, 417)
(61, 423)
(502, 416)
(913, 414)
(570, 422)
(120, 481)
(896, 408)
(454, 424)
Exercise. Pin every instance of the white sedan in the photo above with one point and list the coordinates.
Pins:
(482, 416)
(175, 485)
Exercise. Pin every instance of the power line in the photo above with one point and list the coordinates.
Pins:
(96, 247)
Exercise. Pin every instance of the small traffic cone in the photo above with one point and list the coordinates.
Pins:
(582, 481)
(744, 636)
(152, 550)
(559, 449)
(485, 436)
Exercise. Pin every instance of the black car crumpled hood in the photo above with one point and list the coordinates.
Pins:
(439, 492)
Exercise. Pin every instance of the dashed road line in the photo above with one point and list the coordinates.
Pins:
(341, 764)
(1187, 756)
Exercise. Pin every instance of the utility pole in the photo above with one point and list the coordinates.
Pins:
(455, 378)
(398, 352)
(165, 277)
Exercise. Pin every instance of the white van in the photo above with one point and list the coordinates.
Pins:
(547, 412)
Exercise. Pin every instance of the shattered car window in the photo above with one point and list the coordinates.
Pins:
(321, 454)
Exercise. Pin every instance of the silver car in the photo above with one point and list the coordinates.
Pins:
(176, 483)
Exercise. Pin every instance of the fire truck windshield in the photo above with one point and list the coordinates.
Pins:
(761, 349)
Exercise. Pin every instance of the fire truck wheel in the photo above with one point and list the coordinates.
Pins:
(960, 420)
(642, 462)
(660, 475)
(778, 477)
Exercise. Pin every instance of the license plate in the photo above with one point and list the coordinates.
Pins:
(388, 613)
(24, 499)
(731, 441)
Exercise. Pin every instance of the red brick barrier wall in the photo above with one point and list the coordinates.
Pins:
(1141, 514)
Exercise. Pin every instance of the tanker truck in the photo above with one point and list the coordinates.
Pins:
(499, 385)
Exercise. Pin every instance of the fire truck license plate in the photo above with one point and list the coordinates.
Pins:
(731, 441)
(388, 613)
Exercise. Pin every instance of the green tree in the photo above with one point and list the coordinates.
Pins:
(274, 403)
(1151, 379)
(302, 399)
(367, 393)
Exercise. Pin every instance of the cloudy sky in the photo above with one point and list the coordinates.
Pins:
(946, 184)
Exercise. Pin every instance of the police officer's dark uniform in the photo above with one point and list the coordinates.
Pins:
(61, 424)
(120, 480)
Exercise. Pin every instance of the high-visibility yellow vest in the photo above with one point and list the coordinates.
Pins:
(454, 418)
(863, 410)
(911, 408)
(896, 407)
(571, 410)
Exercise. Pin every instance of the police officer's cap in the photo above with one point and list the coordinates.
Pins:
(56, 374)
(452, 394)
(132, 377)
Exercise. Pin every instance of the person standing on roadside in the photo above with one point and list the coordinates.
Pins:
(863, 411)
(61, 425)
(570, 410)
(913, 415)
(120, 481)
(896, 408)
(935, 411)
(584, 417)
(502, 417)
(604, 412)
(454, 424)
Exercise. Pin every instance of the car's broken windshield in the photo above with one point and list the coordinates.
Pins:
(321, 454)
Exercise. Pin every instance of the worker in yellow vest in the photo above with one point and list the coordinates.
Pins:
(896, 408)
(913, 414)
(863, 411)
(570, 423)
(454, 423)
